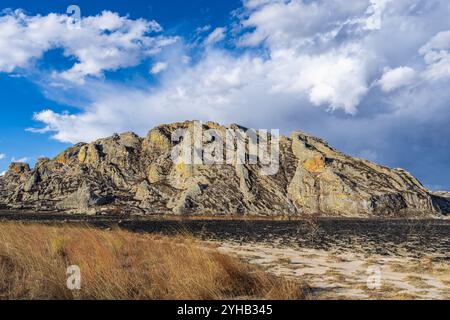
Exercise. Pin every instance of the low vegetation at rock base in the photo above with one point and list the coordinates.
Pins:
(116, 264)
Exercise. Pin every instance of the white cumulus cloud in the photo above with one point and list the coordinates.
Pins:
(158, 67)
(437, 56)
(21, 160)
(103, 42)
(325, 54)
(217, 35)
(397, 78)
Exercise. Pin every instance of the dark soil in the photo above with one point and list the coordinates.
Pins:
(415, 238)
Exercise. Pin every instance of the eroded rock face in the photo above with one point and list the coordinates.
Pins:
(441, 200)
(128, 174)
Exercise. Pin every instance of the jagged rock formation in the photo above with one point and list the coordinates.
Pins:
(441, 200)
(128, 174)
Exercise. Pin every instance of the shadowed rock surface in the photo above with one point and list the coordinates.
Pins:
(128, 174)
(441, 200)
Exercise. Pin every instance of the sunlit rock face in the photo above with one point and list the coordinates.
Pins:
(128, 174)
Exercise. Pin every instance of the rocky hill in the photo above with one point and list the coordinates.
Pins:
(128, 174)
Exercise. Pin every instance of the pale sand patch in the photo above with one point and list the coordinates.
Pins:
(344, 275)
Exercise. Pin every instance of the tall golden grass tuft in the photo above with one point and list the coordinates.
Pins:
(122, 265)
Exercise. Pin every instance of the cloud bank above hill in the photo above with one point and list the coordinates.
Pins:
(370, 76)
(99, 43)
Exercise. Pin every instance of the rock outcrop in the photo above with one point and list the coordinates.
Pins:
(441, 200)
(127, 174)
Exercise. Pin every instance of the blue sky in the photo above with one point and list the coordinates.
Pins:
(21, 96)
(369, 76)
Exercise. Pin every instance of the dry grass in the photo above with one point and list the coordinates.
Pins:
(122, 265)
(424, 265)
(336, 275)
(402, 295)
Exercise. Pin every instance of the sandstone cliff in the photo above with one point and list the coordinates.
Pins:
(128, 174)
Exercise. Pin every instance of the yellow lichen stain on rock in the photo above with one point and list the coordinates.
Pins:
(159, 140)
(93, 156)
(61, 158)
(183, 168)
(154, 174)
(184, 171)
(82, 155)
(315, 164)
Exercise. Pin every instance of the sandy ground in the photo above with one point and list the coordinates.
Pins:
(351, 275)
